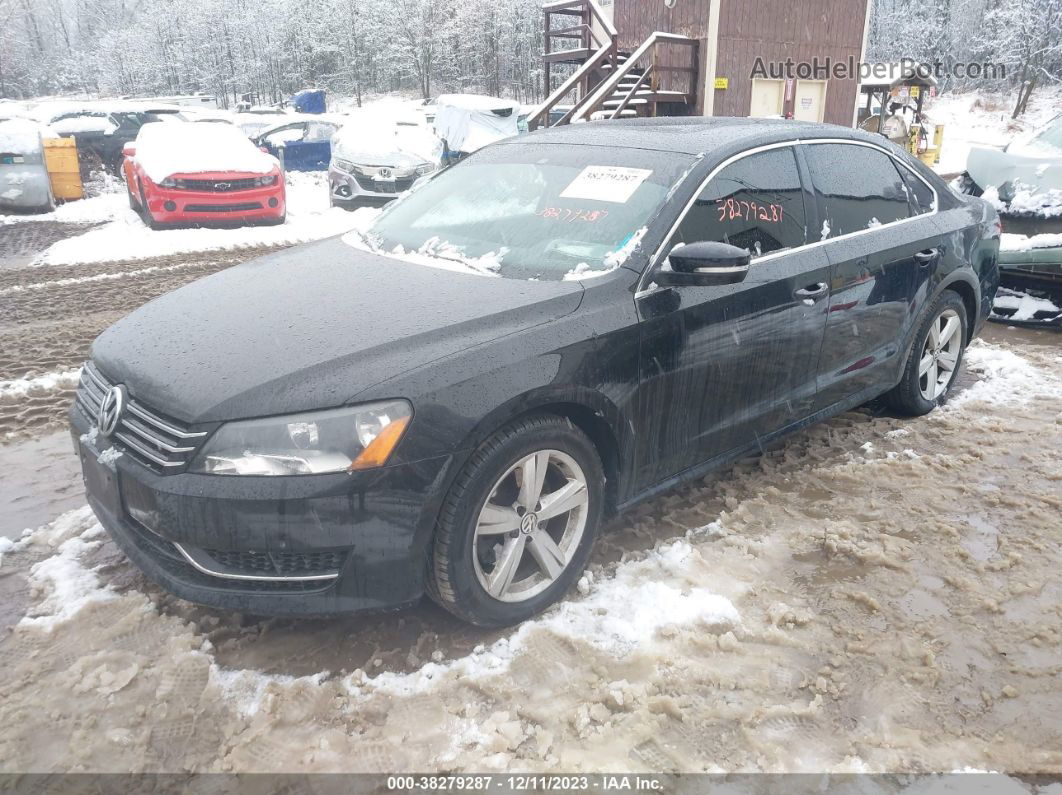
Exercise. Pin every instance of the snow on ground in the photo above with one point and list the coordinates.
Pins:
(48, 382)
(978, 118)
(795, 615)
(124, 236)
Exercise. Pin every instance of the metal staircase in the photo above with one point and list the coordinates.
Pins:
(658, 79)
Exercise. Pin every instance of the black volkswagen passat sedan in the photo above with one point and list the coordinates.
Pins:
(542, 336)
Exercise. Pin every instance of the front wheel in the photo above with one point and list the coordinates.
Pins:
(518, 525)
(935, 359)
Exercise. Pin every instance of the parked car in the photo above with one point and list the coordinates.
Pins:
(590, 315)
(468, 122)
(24, 180)
(300, 144)
(102, 133)
(1027, 176)
(187, 173)
(1032, 164)
(374, 163)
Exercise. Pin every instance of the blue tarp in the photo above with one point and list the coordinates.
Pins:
(310, 100)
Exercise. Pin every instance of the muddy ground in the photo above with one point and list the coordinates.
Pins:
(874, 594)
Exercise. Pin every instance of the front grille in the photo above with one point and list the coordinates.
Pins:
(217, 186)
(287, 564)
(223, 208)
(384, 186)
(161, 444)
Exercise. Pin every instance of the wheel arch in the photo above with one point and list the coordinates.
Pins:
(588, 410)
(967, 289)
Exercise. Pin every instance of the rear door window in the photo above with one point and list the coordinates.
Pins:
(859, 186)
(755, 203)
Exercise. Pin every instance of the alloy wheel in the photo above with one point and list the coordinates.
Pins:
(530, 526)
(940, 355)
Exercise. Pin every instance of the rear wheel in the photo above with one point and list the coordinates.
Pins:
(935, 359)
(517, 528)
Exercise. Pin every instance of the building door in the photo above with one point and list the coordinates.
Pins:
(767, 98)
(809, 100)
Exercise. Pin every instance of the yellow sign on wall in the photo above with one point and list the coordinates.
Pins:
(722, 82)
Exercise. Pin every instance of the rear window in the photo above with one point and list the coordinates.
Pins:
(860, 188)
(756, 203)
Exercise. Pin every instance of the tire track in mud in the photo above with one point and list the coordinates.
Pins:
(48, 322)
(895, 580)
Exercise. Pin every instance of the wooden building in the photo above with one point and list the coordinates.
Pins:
(704, 61)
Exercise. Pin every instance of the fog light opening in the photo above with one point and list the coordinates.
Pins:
(170, 206)
(273, 202)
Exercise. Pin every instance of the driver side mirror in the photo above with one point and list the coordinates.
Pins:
(704, 264)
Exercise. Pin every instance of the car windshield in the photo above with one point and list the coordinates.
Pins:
(1051, 136)
(534, 211)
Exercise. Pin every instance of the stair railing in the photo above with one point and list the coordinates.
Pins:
(604, 47)
(596, 99)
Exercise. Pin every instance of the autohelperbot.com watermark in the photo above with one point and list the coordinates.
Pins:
(826, 68)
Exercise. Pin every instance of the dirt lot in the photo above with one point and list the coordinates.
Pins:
(875, 594)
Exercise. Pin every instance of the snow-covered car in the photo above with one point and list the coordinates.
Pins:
(24, 182)
(1026, 174)
(372, 164)
(468, 122)
(103, 129)
(189, 173)
(301, 144)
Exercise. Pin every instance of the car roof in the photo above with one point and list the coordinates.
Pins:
(692, 135)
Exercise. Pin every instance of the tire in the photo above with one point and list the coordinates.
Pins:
(914, 396)
(468, 549)
(132, 200)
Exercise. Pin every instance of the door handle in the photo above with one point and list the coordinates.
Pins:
(927, 256)
(812, 290)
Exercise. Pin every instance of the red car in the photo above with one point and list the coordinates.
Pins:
(185, 173)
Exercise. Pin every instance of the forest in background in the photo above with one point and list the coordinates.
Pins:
(271, 48)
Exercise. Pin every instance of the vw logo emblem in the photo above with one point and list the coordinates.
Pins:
(111, 408)
(385, 173)
(529, 523)
(222, 185)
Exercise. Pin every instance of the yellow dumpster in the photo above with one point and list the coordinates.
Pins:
(60, 157)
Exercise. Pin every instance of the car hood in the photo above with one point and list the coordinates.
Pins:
(309, 328)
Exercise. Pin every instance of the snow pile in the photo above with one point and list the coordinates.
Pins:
(1027, 201)
(1006, 378)
(164, 149)
(126, 237)
(1025, 306)
(68, 585)
(49, 382)
(620, 616)
(1011, 242)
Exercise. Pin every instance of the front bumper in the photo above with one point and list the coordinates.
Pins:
(350, 190)
(172, 206)
(313, 545)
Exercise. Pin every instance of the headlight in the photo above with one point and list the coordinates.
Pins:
(263, 181)
(169, 182)
(337, 440)
(343, 165)
(427, 168)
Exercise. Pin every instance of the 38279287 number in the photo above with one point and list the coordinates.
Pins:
(731, 209)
